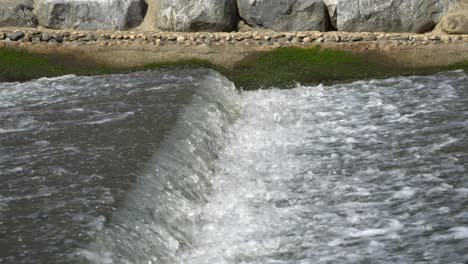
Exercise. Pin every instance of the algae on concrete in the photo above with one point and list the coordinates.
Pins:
(286, 67)
(18, 65)
(21, 66)
(280, 68)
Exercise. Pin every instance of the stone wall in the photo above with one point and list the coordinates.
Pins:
(417, 16)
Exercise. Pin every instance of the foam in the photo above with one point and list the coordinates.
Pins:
(342, 174)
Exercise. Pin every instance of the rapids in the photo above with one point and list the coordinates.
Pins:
(179, 167)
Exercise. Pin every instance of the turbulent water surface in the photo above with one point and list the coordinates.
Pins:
(178, 167)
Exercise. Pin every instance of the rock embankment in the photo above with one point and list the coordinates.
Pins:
(416, 16)
(134, 50)
(256, 38)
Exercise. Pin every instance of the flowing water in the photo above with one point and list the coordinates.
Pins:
(179, 167)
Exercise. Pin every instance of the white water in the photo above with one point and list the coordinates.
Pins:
(370, 172)
(176, 167)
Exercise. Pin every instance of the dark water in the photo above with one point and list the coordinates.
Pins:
(71, 148)
(177, 167)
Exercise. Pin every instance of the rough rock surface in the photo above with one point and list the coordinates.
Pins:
(285, 15)
(15, 36)
(391, 16)
(200, 15)
(454, 23)
(150, 23)
(17, 13)
(332, 11)
(90, 14)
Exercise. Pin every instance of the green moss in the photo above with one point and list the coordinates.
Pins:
(458, 66)
(19, 66)
(16, 65)
(283, 67)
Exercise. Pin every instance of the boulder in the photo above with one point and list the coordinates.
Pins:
(17, 13)
(45, 36)
(454, 23)
(417, 16)
(200, 15)
(90, 14)
(15, 36)
(285, 15)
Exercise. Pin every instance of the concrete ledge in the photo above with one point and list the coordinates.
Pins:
(130, 49)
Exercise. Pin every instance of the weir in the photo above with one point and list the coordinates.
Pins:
(121, 160)
(177, 166)
(155, 223)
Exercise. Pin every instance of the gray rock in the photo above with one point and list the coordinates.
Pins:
(356, 38)
(17, 13)
(15, 36)
(200, 15)
(90, 14)
(391, 16)
(90, 37)
(45, 36)
(58, 37)
(285, 15)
